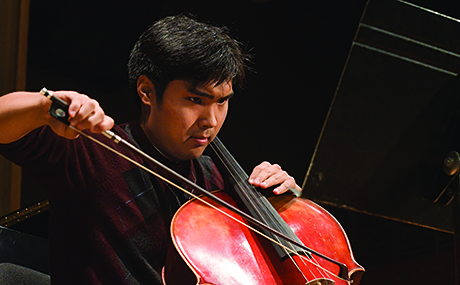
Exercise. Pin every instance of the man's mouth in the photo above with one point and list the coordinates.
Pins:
(201, 140)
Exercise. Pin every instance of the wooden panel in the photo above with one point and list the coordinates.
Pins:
(13, 56)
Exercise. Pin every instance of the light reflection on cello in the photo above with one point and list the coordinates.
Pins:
(214, 249)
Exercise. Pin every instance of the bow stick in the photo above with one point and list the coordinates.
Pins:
(59, 110)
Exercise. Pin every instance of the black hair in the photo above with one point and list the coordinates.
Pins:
(180, 47)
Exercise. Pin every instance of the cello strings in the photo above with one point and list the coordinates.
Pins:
(258, 203)
(252, 197)
(119, 139)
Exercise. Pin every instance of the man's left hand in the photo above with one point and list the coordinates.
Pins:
(266, 175)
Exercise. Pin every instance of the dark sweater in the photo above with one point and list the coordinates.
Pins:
(109, 220)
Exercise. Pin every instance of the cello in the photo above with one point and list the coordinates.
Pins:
(302, 243)
(215, 248)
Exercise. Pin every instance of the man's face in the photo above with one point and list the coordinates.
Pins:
(188, 118)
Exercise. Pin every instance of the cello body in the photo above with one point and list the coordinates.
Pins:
(211, 248)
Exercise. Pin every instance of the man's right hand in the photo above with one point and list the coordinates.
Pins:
(22, 112)
(85, 113)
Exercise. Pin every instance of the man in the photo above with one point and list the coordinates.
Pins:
(109, 220)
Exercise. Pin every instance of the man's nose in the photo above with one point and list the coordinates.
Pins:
(208, 118)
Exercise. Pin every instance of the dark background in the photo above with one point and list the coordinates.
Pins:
(299, 47)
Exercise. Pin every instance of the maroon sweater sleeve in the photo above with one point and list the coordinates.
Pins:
(109, 220)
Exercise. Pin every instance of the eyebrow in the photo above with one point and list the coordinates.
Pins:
(204, 94)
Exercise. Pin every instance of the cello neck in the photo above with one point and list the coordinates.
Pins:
(255, 202)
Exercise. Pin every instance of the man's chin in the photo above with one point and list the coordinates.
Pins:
(195, 153)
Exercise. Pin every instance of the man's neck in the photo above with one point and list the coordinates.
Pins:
(144, 129)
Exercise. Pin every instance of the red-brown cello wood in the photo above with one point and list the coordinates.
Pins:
(209, 247)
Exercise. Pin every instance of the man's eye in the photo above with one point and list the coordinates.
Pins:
(196, 100)
(223, 100)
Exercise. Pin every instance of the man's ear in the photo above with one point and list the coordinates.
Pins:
(145, 90)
